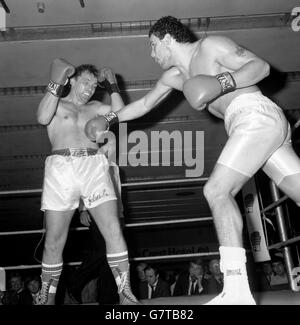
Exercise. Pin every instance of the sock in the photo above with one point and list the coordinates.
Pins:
(51, 272)
(119, 265)
(118, 262)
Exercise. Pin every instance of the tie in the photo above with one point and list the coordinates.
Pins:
(152, 291)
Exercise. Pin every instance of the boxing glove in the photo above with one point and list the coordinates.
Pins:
(202, 89)
(60, 71)
(107, 80)
(100, 124)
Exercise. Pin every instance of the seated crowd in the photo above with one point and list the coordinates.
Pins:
(149, 281)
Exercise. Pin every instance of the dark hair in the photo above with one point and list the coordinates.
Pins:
(197, 261)
(152, 267)
(86, 67)
(171, 25)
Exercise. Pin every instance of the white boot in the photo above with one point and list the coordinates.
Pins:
(236, 289)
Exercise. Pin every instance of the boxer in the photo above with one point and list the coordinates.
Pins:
(216, 73)
(78, 169)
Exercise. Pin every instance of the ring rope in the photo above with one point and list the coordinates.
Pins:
(140, 224)
(158, 182)
(148, 258)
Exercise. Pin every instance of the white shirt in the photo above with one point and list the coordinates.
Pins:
(151, 288)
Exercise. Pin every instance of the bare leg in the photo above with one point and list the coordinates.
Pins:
(220, 190)
(283, 167)
(290, 185)
(57, 227)
(106, 218)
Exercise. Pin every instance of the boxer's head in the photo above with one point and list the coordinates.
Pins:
(172, 26)
(163, 34)
(84, 82)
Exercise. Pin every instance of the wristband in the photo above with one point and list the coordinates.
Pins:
(226, 81)
(55, 89)
(111, 88)
(111, 118)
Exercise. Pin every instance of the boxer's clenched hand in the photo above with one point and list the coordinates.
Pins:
(99, 124)
(107, 80)
(60, 71)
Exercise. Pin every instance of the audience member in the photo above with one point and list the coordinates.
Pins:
(191, 282)
(279, 279)
(154, 286)
(214, 284)
(263, 276)
(138, 278)
(33, 285)
(17, 293)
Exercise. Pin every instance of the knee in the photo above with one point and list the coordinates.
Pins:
(214, 192)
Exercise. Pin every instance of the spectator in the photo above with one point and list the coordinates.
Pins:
(33, 285)
(279, 279)
(154, 286)
(191, 282)
(214, 284)
(17, 294)
(263, 276)
(139, 277)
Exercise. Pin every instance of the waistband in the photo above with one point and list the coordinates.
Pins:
(248, 100)
(75, 152)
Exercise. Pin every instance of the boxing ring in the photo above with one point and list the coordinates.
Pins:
(265, 298)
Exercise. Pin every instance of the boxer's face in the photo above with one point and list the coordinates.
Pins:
(160, 52)
(84, 86)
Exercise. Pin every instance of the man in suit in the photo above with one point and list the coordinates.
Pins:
(215, 281)
(154, 287)
(192, 282)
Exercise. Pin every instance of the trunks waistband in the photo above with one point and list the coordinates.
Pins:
(75, 152)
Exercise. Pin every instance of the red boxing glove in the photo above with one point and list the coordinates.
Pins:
(100, 124)
(202, 89)
(60, 71)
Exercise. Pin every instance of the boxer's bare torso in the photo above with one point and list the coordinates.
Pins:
(205, 61)
(66, 129)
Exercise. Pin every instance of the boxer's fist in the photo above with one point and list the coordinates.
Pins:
(202, 89)
(61, 70)
(107, 80)
(99, 124)
(96, 126)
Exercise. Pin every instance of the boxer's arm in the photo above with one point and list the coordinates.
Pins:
(108, 80)
(246, 68)
(145, 104)
(60, 72)
(47, 108)
(116, 102)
